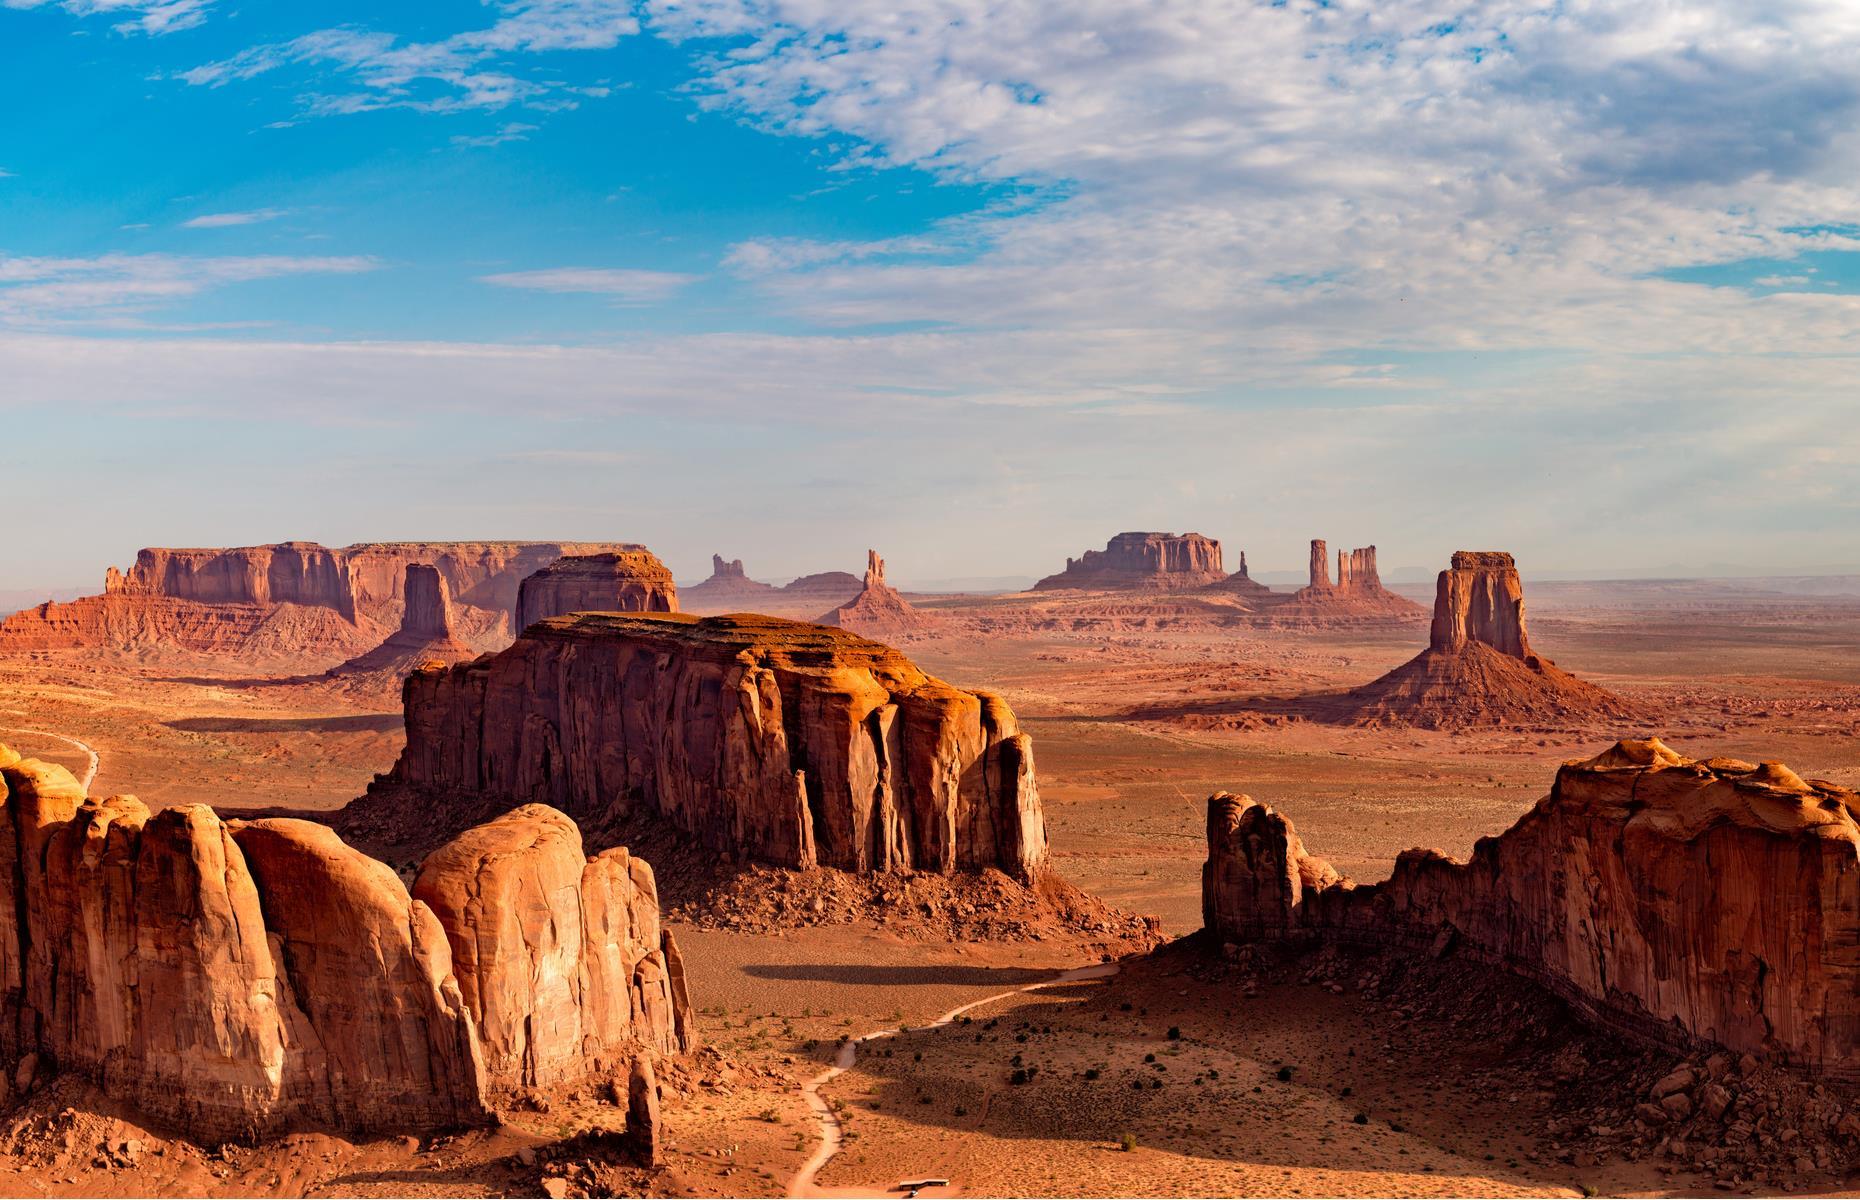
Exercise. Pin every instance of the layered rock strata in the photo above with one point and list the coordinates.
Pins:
(879, 610)
(764, 739)
(426, 634)
(241, 979)
(1479, 667)
(631, 580)
(285, 597)
(1688, 902)
(1143, 562)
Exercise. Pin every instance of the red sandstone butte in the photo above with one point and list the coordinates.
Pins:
(728, 588)
(879, 610)
(755, 737)
(1478, 667)
(1713, 902)
(1143, 562)
(425, 635)
(245, 979)
(630, 580)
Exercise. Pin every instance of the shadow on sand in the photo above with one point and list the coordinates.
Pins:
(361, 723)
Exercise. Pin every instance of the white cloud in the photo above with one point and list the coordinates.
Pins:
(509, 131)
(117, 290)
(448, 75)
(227, 219)
(625, 284)
(152, 17)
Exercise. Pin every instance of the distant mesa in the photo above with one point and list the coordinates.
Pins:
(1479, 667)
(728, 587)
(1155, 562)
(426, 634)
(290, 600)
(879, 610)
(830, 586)
(1678, 901)
(629, 580)
(757, 739)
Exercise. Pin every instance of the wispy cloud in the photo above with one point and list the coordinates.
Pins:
(623, 284)
(119, 289)
(228, 219)
(449, 75)
(510, 131)
(152, 17)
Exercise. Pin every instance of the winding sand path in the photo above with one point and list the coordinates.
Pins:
(90, 774)
(831, 1133)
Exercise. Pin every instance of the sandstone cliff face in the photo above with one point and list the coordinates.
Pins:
(633, 580)
(879, 610)
(244, 979)
(1714, 901)
(770, 740)
(292, 597)
(1480, 599)
(591, 983)
(1479, 667)
(425, 635)
(1143, 562)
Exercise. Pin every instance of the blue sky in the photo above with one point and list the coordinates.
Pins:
(977, 283)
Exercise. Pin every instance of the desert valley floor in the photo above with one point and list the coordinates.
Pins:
(1181, 1073)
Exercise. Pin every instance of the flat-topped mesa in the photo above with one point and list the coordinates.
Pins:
(879, 610)
(245, 979)
(425, 635)
(824, 585)
(1480, 599)
(1713, 902)
(1479, 667)
(1143, 562)
(630, 580)
(288, 598)
(763, 739)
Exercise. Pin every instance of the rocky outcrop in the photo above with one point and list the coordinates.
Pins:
(560, 958)
(241, 979)
(1686, 902)
(1239, 583)
(728, 589)
(1478, 667)
(879, 610)
(1143, 562)
(425, 636)
(830, 587)
(288, 598)
(755, 737)
(630, 580)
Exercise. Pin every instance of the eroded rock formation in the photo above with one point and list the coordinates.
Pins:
(292, 598)
(1478, 667)
(241, 979)
(1143, 562)
(426, 635)
(729, 589)
(760, 738)
(1240, 583)
(879, 610)
(630, 580)
(830, 587)
(1710, 902)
